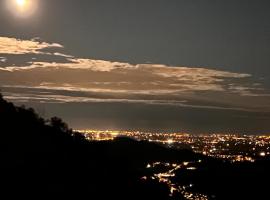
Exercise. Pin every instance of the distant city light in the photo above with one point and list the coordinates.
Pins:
(186, 163)
(170, 141)
(262, 154)
(166, 177)
(232, 147)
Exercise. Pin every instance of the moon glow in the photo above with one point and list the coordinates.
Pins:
(22, 8)
(21, 3)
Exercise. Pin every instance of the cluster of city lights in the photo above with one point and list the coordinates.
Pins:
(233, 147)
(167, 178)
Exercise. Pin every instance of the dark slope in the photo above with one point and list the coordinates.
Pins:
(46, 159)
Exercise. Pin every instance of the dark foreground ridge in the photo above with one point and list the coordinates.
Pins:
(45, 159)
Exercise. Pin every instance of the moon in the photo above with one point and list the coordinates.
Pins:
(22, 8)
(21, 3)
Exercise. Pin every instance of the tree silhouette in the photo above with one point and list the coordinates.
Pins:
(57, 123)
(48, 158)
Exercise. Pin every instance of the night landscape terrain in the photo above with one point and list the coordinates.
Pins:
(46, 157)
(129, 99)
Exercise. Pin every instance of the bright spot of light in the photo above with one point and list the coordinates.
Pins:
(22, 8)
(185, 163)
(170, 141)
(114, 133)
(262, 154)
(21, 2)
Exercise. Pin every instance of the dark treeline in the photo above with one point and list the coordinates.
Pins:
(45, 159)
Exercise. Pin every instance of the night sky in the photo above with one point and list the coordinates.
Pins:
(177, 65)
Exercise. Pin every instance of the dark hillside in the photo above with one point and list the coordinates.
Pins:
(47, 158)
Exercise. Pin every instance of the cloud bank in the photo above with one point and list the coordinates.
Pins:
(17, 46)
(84, 80)
(40, 73)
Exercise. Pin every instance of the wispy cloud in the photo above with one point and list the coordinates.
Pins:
(17, 46)
(3, 59)
(85, 74)
(89, 80)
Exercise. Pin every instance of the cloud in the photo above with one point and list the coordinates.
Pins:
(88, 80)
(249, 91)
(63, 55)
(48, 96)
(87, 74)
(112, 77)
(18, 47)
(3, 59)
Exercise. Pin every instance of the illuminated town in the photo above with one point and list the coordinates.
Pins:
(167, 176)
(228, 147)
(233, 147)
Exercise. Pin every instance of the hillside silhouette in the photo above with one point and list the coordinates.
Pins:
(44, 159)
